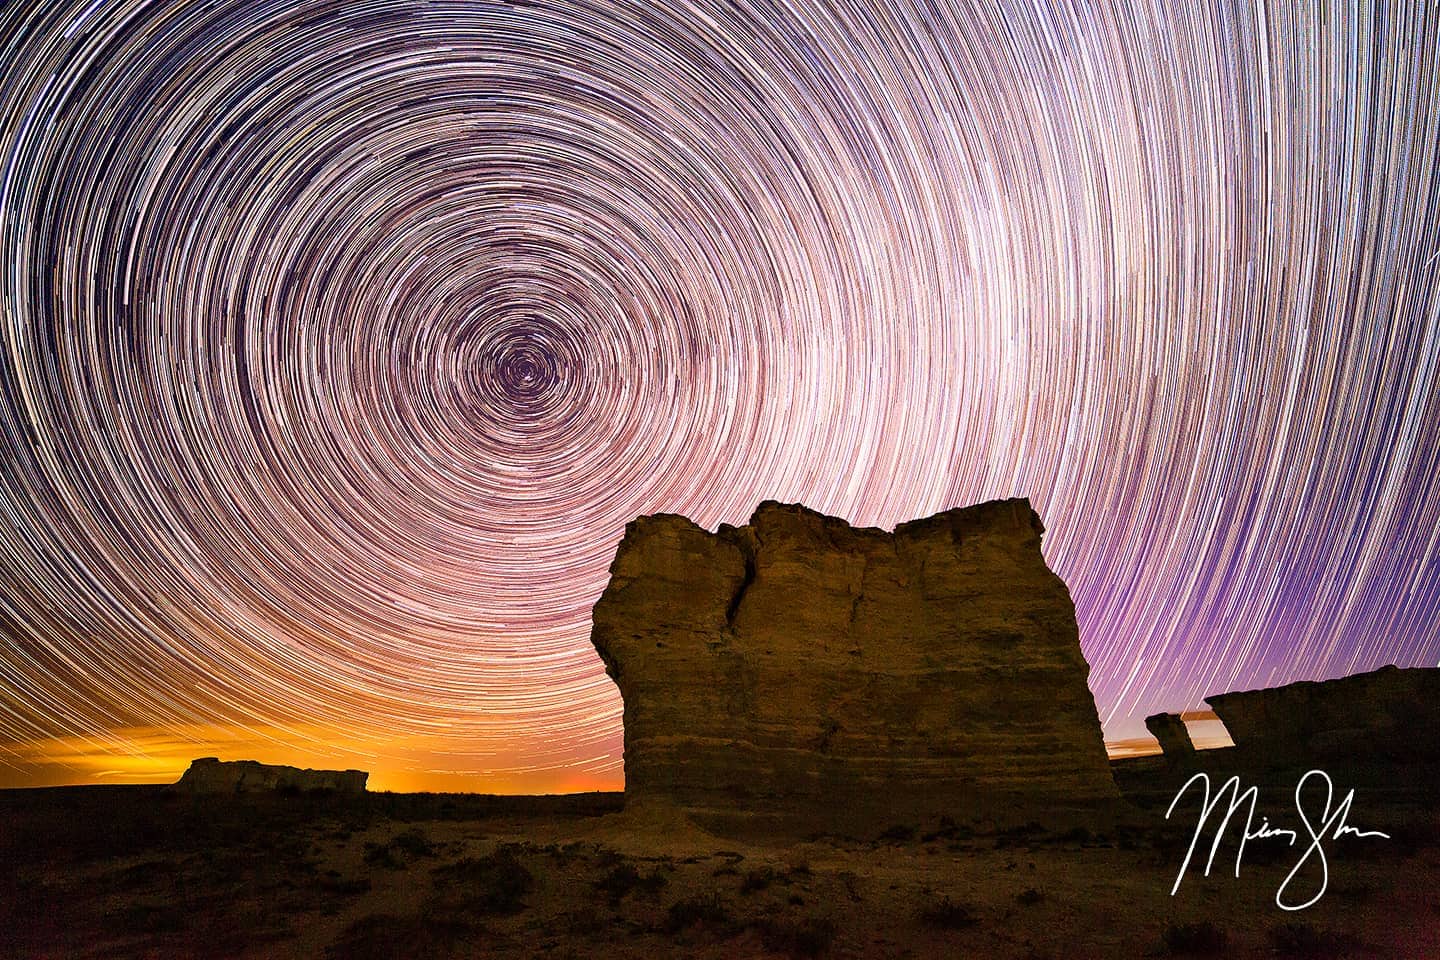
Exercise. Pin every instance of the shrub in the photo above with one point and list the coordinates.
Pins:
(705, 910)
(1200, 939)
(382, 855)
(493, 884)
(383, 936)
(1297, 938)
(809, 937)
(623, 879)
(948, 914)
(757, 879)
(414, 843)
(411, 843)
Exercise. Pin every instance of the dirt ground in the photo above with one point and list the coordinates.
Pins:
(151, 872)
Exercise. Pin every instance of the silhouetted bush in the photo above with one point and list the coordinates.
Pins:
(493, 884)
(382, 855)
(383, 936)
(1297, 938)
(808, 937)
(414, 843)
(148, 918)
(757, 879)
(1028, 835)
(624, 879)
(1202, 939)
(947, 914)
(703, 910)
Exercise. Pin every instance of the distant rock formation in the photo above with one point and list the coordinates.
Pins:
(800, 663)
(1388, 713)
(1174, 736)
(211, 775)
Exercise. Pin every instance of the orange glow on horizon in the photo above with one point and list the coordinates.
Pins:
(156, 755)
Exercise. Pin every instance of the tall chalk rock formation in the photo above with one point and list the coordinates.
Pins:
(801, 665)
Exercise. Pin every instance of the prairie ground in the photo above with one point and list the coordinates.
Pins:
(154, 872)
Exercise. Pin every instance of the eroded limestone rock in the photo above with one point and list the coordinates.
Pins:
(211, 775)
(800, 662)
(1388, 713)
(1174, 736)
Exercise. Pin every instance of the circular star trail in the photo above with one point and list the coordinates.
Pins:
(341, 340)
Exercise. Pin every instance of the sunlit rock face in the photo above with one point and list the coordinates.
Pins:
(210, 775)
(1388, 713)
(1174, 737)
(798, 663)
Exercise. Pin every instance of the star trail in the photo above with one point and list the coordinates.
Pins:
(341, 341)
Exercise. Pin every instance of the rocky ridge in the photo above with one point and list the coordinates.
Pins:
(212, 775)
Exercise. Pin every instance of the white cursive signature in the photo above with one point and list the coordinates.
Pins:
(1331, 825)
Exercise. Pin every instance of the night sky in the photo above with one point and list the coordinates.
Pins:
(342, 339)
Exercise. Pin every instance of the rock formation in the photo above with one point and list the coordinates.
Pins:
(211, 775)
(1174, 736)
(798, 663)
(1388, 713)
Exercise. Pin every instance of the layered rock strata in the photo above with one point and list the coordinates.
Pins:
(1174, 737)
(211, 775)
(801, 663)
(1388, 713)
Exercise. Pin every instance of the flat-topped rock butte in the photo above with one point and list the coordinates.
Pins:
(1390, 713)
(798, 664)
(212, 775)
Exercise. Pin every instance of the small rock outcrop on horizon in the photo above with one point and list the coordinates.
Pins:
(798, 663)
(1389, 713)
(1174, 736)
(212, 775)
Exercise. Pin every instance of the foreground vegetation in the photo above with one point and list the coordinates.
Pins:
(152, 872)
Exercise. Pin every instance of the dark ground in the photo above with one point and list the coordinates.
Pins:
(153, 872)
